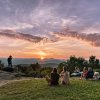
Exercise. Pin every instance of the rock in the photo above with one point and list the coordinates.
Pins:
(6, 75)
(8, 69)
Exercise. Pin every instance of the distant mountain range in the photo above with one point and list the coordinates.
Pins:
(17, 61)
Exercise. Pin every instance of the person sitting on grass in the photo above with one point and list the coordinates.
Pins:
(90, 73)
(96, 76)
(77, 70)
(65, 76)
(54, 78)
(84, 74)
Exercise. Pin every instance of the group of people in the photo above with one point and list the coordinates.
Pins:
(55, 76)
(87, 73)
(90, 74)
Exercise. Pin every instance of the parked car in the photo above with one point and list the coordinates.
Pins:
(76, 74)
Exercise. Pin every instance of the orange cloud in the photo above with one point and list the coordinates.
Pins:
(63, 46)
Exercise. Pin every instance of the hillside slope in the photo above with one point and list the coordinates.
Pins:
(37, 89)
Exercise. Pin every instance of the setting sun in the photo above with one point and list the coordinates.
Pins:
(42, 58)
(42, 54)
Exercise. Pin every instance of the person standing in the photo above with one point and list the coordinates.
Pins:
(9, 61)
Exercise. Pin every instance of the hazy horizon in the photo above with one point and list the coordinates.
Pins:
(49, 28)
(16, 61)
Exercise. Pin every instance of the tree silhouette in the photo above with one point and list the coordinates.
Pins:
(79, 62)
(93, 62)
(35, 66)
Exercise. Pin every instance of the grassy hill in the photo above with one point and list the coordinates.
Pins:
(37, 89)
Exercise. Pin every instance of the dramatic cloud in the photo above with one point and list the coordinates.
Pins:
(41, 16)
(94, 39)
(17, 35)
(37, 26)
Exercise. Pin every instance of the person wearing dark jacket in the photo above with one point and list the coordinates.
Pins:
(9, 61)
(90, 73)
(54, 78)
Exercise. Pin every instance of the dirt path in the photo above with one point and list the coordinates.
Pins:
(7, 77)
(4, 82)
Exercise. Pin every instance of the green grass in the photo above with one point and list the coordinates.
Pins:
(37, 89)
(98, 70)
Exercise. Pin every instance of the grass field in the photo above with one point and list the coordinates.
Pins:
(37, 89)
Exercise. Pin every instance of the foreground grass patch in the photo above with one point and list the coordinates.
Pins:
(37, 89)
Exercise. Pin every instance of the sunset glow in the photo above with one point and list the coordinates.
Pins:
(49, 28)
(42, 58)
(42, 55)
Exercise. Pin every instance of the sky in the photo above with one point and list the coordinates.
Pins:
(49, 28)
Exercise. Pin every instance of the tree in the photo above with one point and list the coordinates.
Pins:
(97, 62)
(93, 62)
(35, 66)
(81, 62)
(73, 62)
(60, 66)
(70, 64)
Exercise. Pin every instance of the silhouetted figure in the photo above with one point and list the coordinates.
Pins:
(9, 61)
(9, 68)
(54, 78)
